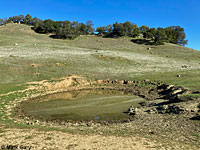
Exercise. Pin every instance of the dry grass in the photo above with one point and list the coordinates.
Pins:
(37, 57)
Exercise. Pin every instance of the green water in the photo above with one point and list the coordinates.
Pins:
(83, 105)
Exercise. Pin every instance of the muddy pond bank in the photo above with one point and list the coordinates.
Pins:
(163, 116)
(69, 99)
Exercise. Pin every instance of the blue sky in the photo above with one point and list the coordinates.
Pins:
(153, 13)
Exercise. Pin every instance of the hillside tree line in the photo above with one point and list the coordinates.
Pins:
(71, 30)
(172, 34)
(61, 29)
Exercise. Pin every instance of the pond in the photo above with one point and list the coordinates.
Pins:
(82, 105)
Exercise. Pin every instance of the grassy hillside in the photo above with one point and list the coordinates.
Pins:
(26, 56)
(39, 57)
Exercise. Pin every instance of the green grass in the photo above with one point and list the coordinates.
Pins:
(38, 57)
(48, 138)
(122, 59)
(81, 56)
(10, 87)
(189, 79)
(2, 131)
(197, 135)
(189, 97)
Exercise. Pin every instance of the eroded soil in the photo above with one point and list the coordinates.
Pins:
(150, 128)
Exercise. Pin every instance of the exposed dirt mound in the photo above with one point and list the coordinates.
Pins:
(67, 82)
(63, 83)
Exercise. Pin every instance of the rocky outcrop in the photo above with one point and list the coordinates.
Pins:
(15, 44)
(131, 111)
(169, 109)
(197, 115)
(170, 92)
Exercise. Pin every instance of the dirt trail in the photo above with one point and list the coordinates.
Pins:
(58, 140)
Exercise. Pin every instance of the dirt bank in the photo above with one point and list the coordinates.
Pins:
(156, 120)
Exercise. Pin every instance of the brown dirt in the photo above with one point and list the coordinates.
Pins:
(62, 84)
(59, 140)
(35, 65)
(157, 125)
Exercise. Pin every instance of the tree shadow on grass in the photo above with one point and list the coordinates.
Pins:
(54, 37)
(143, 41)
(168, 102)
(197, 117)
